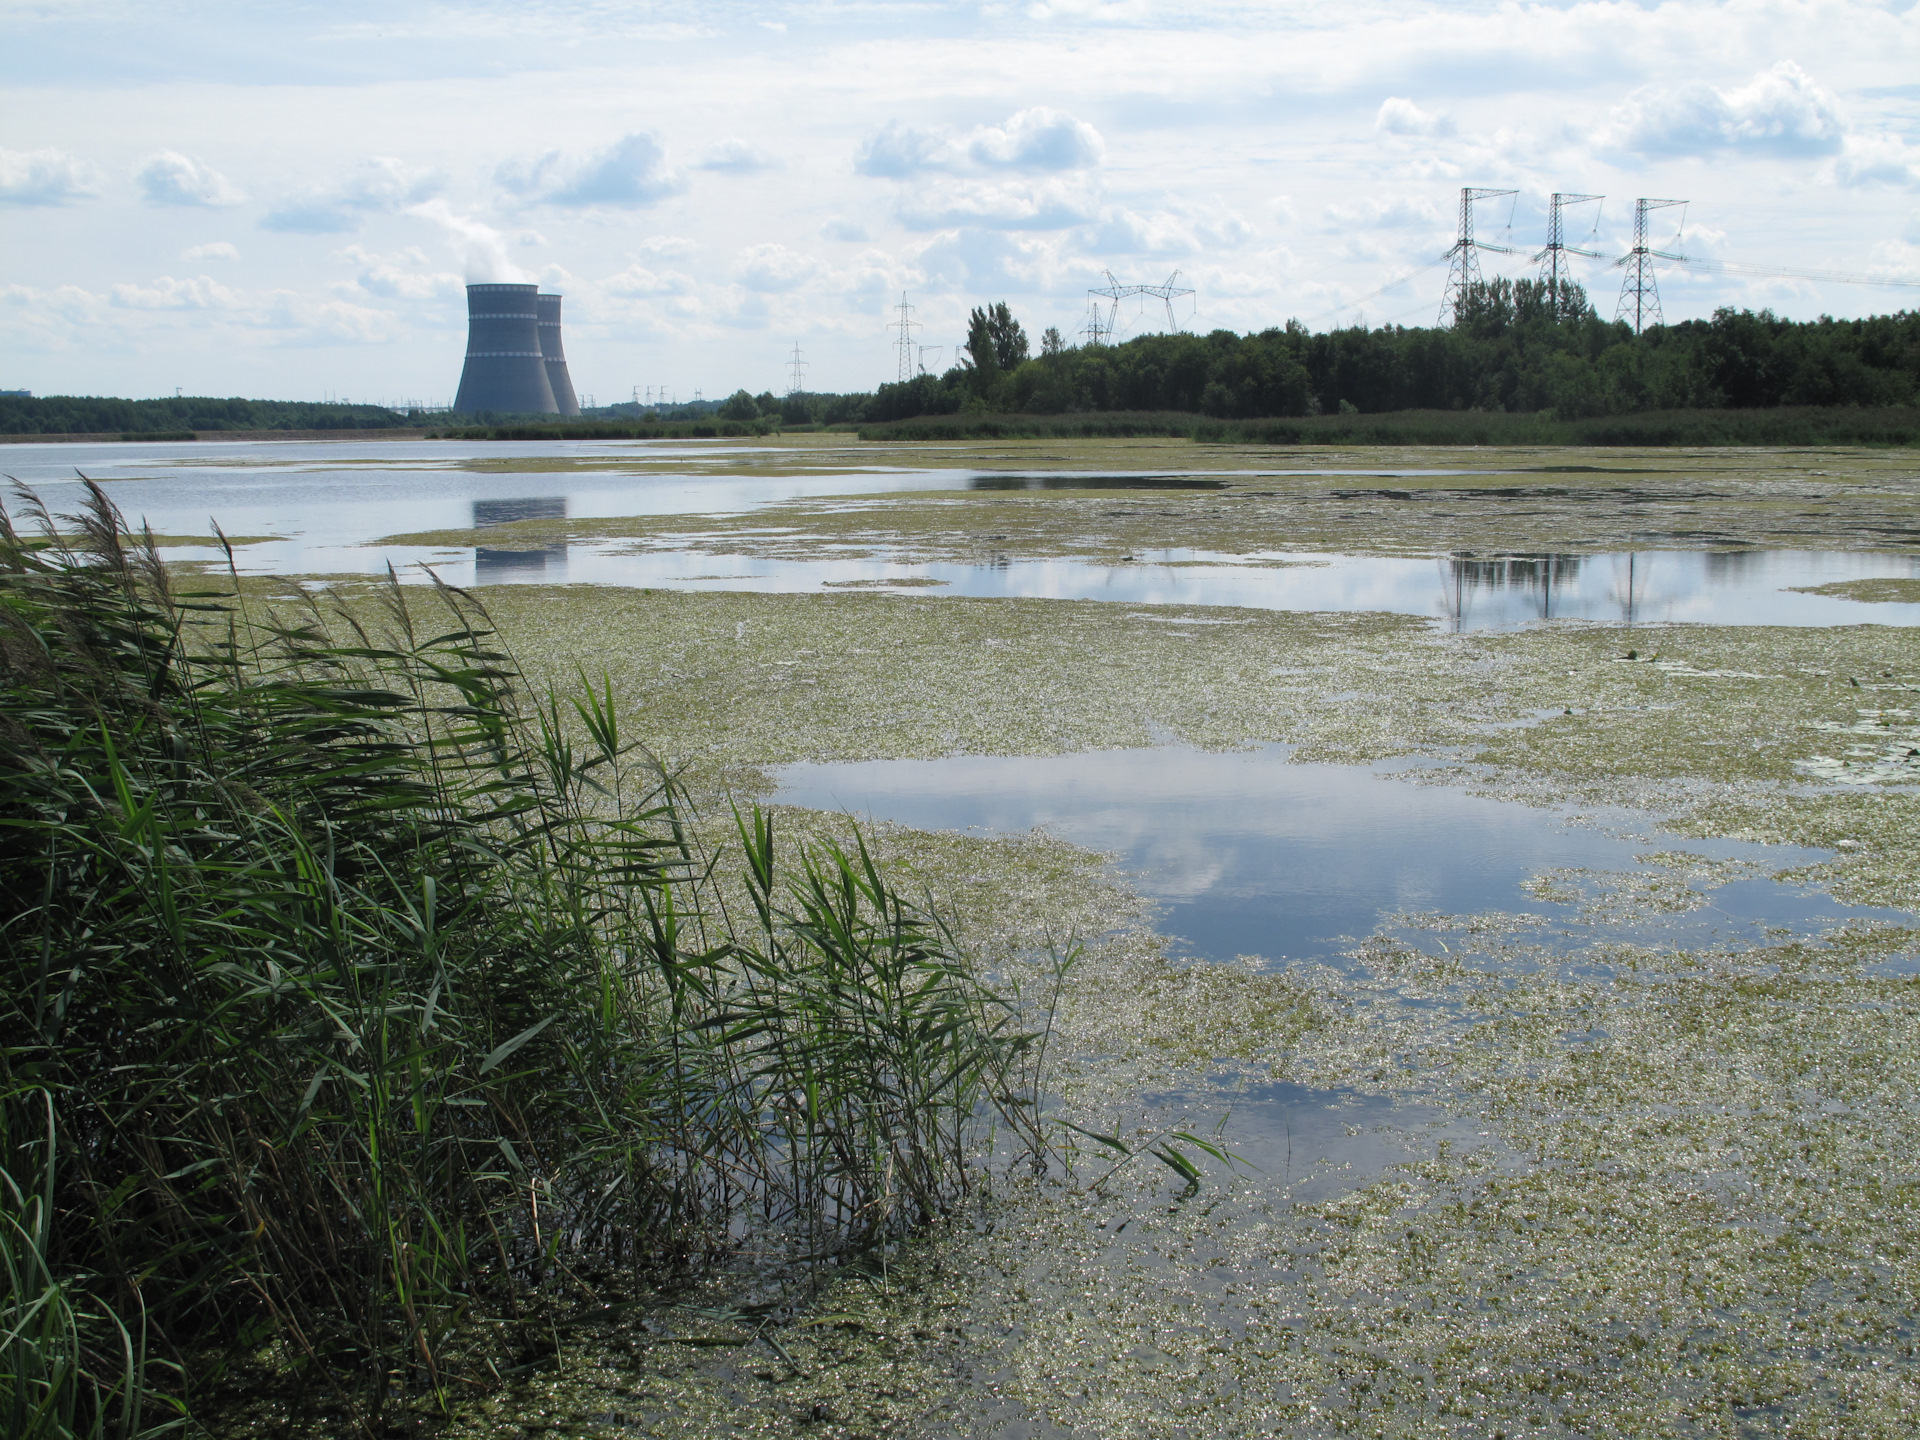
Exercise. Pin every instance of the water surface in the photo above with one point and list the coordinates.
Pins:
(1249, 854)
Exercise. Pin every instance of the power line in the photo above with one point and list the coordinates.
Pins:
(1783, 272)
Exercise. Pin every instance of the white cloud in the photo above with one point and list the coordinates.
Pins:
(1034, 139)
(379, 185)
(631, 171)
(1169, 232)
(170, 178)
(398, 276)
(1780, 111)
(1878, 160)
(481, 248)
(639, 282)
(737, 157)
(1399, 212)
(45, 177)
(213, 250)
(773, 268)
(1038, 139)
(201, 293)
(1400, 116)
(1011, 205)
(842, 229)
(669, 247)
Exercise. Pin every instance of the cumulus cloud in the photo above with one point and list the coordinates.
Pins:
(1781, 111)
(842, 229)
(1052, 204)
(639, 282)
(737, 157)
(630, 172)
(1877, 160)
(380, 185)
(170, 178)
(771, 269)
(401, 276)
(1169, 232)
(1400, 116)
(1035, 139)
(1396, 213)
(45, 177)
(981, 262)
(202, 292)
(1038, 139)
(481, 248)
(213, 250)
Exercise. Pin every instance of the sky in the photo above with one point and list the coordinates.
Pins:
(286, 200)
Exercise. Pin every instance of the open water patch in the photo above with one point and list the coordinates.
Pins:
(1246, 853)
(1456, 592)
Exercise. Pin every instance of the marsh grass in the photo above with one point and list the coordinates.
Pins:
(376, 1012)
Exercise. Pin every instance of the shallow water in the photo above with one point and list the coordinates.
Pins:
(330, 504)
(1246, 853)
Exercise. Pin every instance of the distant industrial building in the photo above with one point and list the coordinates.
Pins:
(515, 361)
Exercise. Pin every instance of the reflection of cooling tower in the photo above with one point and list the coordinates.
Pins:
(506, 370)
(557, 377)
(530, 560)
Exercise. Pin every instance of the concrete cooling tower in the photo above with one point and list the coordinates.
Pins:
(557, 377)
(506, 368)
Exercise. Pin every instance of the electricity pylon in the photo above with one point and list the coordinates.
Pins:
(1554, 271)
(1639, 296)
(1098, 330)
(906, 325)
(796, 371)
(1463, 260)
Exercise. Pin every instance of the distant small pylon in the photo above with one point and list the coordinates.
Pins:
(906, 325)
(796, 371)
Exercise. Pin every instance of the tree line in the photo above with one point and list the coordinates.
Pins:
(1517, 347)
(105, 415)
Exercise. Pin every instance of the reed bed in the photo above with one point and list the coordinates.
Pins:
(363, 1012)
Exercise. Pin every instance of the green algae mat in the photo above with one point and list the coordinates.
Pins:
(1620, 1188)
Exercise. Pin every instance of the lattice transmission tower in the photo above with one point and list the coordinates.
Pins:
(1555, 274)
(796, 371)
(1099, 329)
(1639, 296)
(1463, 260)
(906, 325)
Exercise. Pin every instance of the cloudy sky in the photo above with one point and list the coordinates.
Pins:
(286, 199)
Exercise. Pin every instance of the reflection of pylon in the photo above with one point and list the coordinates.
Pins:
(906, 325)
(1463, 271)
(1639, 296)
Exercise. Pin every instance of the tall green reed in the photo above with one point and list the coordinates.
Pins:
(369, 996)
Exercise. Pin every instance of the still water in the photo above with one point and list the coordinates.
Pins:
(1248, 854)
(327, 506)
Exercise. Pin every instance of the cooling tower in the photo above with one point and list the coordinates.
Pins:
(505, 371)
(557, 377)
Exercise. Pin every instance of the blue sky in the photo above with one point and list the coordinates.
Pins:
(285, 200)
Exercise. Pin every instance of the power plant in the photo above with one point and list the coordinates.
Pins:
(515, 361)
(556, 357)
